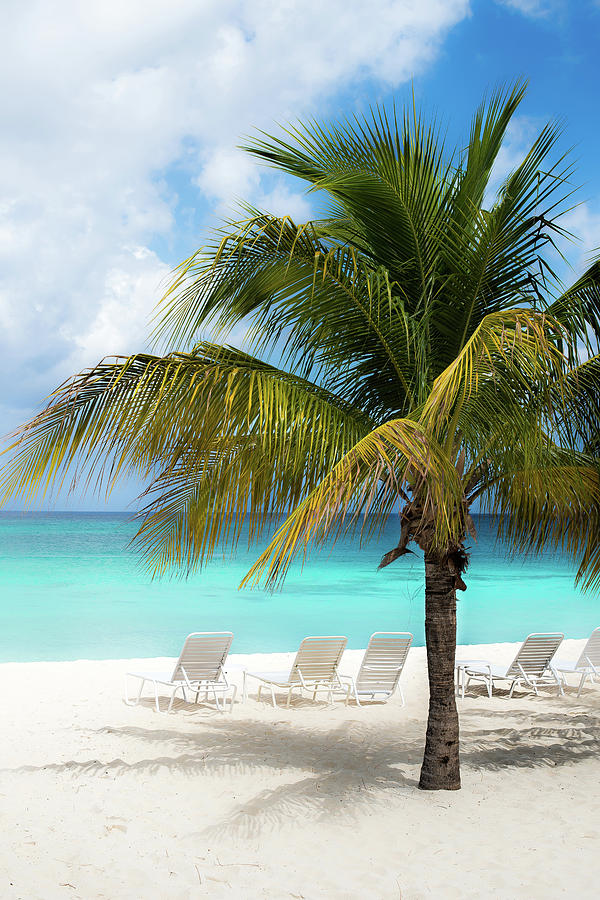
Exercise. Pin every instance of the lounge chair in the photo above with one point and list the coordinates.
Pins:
(198, 669)
(381, 667)
(314, 668)
(588, 663)
(532, 666)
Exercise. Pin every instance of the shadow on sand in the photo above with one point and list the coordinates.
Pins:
(324, 771)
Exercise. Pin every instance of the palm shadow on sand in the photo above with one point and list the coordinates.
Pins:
(342, 769)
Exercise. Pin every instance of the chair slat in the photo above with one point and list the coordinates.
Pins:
(383, 661)
(535, 654)
(203, 656)
(318, 658)
(591, 651)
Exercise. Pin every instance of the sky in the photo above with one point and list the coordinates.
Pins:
(121, 120)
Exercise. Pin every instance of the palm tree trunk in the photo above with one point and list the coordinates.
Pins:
(440, 769)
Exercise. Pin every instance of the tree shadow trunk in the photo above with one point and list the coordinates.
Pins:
(441, 767)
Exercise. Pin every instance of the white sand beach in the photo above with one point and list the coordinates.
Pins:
(103, 800)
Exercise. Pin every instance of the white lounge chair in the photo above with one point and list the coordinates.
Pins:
(381, 667)
(588, 664)
(314, 668)
(198, 669)
(532, 666)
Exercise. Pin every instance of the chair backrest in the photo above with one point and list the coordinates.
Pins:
(535, 654)
(203, 656)
(318, 658)
(591, 651)
(383, 661)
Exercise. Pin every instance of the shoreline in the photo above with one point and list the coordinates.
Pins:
(103, 800)
(500, 652)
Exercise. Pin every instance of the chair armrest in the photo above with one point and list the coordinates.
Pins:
(479, 669)
(301, 676)
(187, 680)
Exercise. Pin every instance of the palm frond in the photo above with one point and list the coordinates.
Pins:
(329, 316)
(576, 401)
(363, 488)
(553, 502)
(488, 130)
(496, 255)
(386, 179)
(579, 309)
(510, 355)
(147, 415)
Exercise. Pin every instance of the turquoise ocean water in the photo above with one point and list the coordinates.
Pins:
(70, 589)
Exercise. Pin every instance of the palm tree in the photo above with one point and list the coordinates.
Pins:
(422, 358)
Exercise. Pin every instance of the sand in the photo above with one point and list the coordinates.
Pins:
(102, 800)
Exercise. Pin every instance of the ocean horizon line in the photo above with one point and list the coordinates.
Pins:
(125, 512)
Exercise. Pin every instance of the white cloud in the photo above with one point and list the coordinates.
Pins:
(282, 201)
(535, 9)
(100, 102)
(583, 222)
(125, 305)
(227, 174)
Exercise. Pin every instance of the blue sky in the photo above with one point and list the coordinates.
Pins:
(120, 126)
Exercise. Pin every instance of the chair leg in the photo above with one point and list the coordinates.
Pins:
(175, 689)
(139, 695)
(273, 697)
(489, 687)
(244, 689)
(156, 697)
(402, 696)
(584, 675)
(233, 696)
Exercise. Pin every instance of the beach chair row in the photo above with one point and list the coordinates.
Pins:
(534, 665)
(200, 671)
